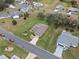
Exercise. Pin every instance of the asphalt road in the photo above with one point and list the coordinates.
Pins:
(28, 46)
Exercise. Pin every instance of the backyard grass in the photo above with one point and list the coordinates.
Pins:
(47, 1)
(17, 51)
(65, 4)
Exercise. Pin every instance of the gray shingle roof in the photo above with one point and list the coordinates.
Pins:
(67, 39)
(24, 7)
(39, 29)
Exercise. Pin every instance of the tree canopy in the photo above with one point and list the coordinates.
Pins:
(5, 3)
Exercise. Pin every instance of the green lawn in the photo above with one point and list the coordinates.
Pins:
(17, 51)
(65, 4)
(47, 41)
(26, 26)
(47, 1)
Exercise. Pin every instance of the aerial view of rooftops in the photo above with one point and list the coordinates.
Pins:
(39, 29)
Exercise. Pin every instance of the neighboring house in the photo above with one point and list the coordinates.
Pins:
(4, 15)
(37, 5)
(20, 1)
(15, 57)
(72, 11)
(59, 8)
(11, 6)
(65, 41)
(15, 14)
(25, 7)
(39, 29)
(3, 57)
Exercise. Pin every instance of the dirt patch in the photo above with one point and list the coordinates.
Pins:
(74, 51)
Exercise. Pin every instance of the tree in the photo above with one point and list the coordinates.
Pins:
(14, 22)
(74, 3)
(56, 20)
(5, 3)
(9, 1)
(66, 1)
(41, 15)
(2, 5)
(26, 15)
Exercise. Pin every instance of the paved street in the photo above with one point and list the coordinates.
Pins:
(33, 41)
(27, 46)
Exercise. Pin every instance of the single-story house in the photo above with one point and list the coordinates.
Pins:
(4, 15)
(67, 40)
(39, 29)
(25, 7)
(15, 14)
(3, 57)
(37, 4)
(71, 9)
(15, 57)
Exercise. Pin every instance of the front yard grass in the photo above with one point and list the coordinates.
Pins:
(17, 51)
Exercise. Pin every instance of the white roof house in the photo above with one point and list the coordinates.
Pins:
(67, 40)
(71, 9)
(15, 57)
(37, 4)
(15, 14)
(3, 57)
